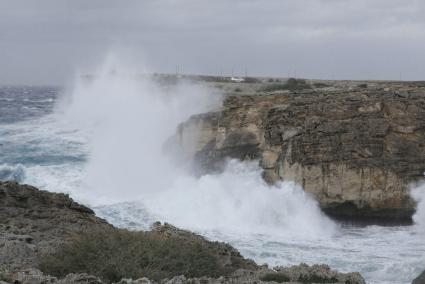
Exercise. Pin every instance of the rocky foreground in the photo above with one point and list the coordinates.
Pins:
(420, 279)
(42, 232)
(356, 149)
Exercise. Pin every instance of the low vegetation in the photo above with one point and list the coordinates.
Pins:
(292, 84)
(280, 277)
(321, 85)
(275, 277)
(4, 276)
(116, 254)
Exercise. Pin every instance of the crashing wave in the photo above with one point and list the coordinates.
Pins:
(418, 194)
(12, 173)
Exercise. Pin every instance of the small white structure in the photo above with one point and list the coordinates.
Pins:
(237, 79)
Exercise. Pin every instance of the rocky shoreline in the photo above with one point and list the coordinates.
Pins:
(357, 150)
(36, 224)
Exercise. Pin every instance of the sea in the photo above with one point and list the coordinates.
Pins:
(102, 142)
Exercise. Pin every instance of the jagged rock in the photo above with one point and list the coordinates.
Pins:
(35, 276)
(31, 276)
(143, 280)
(420, 279)
(295, 275)
(318, 274)
(80, 278)
(298, 274)
(34, 222)
(356, 151)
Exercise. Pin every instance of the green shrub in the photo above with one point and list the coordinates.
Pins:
(251, 80)
(321, 85)
(276, 277)
(292, 84)
(316, 279)
(280, 277)
(4, 276)
(238, 90)
(116, 254)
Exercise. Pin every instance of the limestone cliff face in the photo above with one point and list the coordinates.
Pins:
(355, 151)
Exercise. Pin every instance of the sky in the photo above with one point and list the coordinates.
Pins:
(49, 41)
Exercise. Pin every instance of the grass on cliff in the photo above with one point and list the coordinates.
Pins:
(275, 277)
(292, 84)
(113, 255)
(4, 276)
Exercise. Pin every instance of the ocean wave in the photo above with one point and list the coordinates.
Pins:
(418, 194)
(12, 173)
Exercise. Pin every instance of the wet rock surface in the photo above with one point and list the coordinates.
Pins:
(355, 150)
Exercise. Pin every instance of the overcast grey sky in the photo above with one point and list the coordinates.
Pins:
(47, 41)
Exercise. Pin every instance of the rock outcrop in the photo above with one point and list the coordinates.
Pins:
(298, 274)
(355, 150)
(35, 224)
(420, 279)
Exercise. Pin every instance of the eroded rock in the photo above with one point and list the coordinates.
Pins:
(356, 151)
(35, 222)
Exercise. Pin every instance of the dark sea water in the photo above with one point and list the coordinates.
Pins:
(39, 146)
(31, 139)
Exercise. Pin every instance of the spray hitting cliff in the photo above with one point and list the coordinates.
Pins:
(356, 150)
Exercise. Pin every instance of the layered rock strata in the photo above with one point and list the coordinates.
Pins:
(356, 151)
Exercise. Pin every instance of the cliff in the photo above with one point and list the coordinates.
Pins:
(356, 150)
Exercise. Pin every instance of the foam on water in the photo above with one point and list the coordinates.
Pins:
(418, 194)
(129, 121)
(12, 173)
(238, 201)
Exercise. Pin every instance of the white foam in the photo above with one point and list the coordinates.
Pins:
(129, 120)
(12, 172)
(418, 194)
(239, 201)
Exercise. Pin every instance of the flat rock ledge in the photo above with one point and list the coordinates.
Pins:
(298, 274)
(35, 222)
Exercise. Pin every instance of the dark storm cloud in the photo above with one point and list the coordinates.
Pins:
(46, 41)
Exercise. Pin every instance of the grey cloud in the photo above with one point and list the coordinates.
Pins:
(46, 41)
